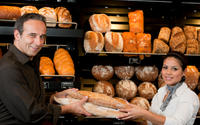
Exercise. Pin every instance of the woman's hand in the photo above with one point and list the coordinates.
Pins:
(131, 113)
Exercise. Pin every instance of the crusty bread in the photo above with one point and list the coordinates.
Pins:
(102, 72)
(191, 76)
(164, 34)
(50, 15)
(10, 12)
(130, 42)
(136, 21)
(159, 46)
(176, 30)
(147, 90)
(96, 110)
(190, 32)
(46, 67)
(63, 16)
(124, 72)
(29, 9)
(192, 46)
(93, 41)
(140, 101)
(97, 99)
(63, 62)
(113, 42)
(104, 87)
(126, 89)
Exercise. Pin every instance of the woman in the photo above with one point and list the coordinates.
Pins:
(175, 103)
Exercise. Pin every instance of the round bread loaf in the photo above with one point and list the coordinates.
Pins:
(29, 9)
(63, 16)
(93, 41)
(126, 89)
(113, 42)
(146, 73)
(191, 76)
(101, 72)
(141, 102)
(124, 72)
(104, 87)
(100, 23)
(147, 90)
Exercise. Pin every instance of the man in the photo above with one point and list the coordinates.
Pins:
(21, 90)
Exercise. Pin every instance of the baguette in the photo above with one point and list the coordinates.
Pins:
(10, 12)
(98, 99)
(96, 110)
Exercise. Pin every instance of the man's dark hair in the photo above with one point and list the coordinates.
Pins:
(30, 16)
(179, 56)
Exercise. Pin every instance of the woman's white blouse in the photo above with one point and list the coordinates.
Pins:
(182, 108)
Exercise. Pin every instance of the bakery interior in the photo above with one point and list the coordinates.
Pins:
(144, 67)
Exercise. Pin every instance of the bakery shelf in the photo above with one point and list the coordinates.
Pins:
(58, 76)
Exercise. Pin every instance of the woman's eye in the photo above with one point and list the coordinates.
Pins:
(174, 68)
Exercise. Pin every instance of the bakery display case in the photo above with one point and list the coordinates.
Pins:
(156, 15)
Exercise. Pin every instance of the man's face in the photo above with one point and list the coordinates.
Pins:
(32, 39)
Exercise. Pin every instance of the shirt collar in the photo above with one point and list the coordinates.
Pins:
(22, 58)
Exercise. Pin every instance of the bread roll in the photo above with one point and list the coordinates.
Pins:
(164, 34)
(63, 62)
(50, 15)
(100, 23)
(63, 16)
(93, 41)
(97, 99)
(93, 109)
(10, 12)
(46, 67)
(147, 90)
(126, 89)
(190, 32)
(29, 9)
(136, 21)
(178, 42)
(191, 76)
(104, 87)
(130, 42)
(113, 42)
(124, 72)
(146, 73)
(160, 46)
(192, 46)
(101, 72)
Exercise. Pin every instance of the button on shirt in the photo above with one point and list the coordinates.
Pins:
(182, 108)
(21, 91)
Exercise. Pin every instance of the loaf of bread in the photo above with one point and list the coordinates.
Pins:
(164, 34)
(63, 16)
(113, 42)
(191, 76)
(178, 42)
(140, 101)
(29, 9)
(93, 41)
(136, 21)
(159, 46)
(124, 72)
(101, 72)
(126, 89)
(144, 43)
(130, 42)
(104, 87)
(46, 66)
(63, 62)
(147, 90)
(100, 23)
(10, 12)
(192, 46)
(198, 38)
(97, 99)
(146, 73)
(190, 32)
(50, 15)
(96, 110)
(176, 30)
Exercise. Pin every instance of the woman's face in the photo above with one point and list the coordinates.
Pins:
(172, 71)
